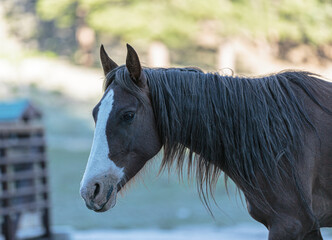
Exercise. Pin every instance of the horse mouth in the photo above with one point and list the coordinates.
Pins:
(102, 209)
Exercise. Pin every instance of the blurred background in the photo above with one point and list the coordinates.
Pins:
(49, 54)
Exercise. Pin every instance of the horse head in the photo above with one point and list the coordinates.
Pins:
(125, 136)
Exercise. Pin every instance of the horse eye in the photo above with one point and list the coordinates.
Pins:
(128, 116)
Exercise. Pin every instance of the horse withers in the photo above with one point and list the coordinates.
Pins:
(271, 135)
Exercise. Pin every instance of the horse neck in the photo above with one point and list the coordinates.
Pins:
(231, 122)
(188, 114)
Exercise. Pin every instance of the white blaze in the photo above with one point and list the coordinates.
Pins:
(99, 163)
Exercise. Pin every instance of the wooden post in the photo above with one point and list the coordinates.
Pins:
(45, 214)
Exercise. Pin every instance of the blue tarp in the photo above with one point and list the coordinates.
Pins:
(13, 111)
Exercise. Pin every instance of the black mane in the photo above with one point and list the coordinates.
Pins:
(243, 126)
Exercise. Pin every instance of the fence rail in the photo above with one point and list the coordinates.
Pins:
(23, 176)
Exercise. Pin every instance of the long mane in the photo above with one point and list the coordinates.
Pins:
(246, 127)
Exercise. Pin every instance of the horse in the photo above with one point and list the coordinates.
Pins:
(271, 135)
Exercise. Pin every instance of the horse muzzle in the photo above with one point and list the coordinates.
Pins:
(99, 196)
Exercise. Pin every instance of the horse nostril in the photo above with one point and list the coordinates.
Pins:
(97, 190)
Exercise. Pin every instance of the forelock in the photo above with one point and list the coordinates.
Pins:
(121, 77)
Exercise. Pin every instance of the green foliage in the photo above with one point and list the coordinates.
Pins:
(63, 11)
(178, 22)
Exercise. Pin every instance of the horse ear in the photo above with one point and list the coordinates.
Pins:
(107, 63)
(134, 66)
